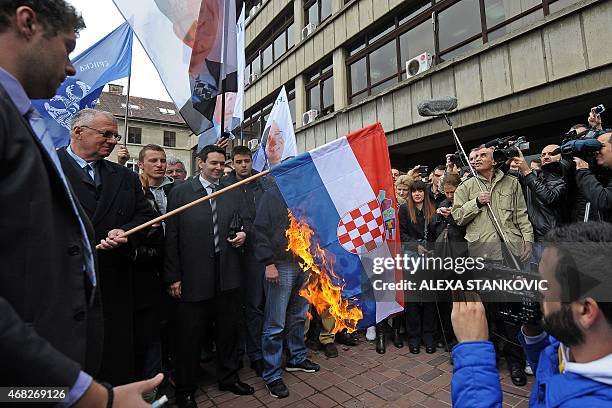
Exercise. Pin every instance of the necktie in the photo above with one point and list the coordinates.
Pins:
(40, 130)
(89, 170)
(213, 206)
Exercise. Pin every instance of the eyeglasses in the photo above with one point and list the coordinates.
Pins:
(106, 133)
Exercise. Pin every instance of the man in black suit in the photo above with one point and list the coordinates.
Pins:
(205, 275)
(50, 314)
(113, 199)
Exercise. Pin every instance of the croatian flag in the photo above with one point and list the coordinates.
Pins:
(344, 191)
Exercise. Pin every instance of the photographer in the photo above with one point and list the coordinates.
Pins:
(507, 203)
(574, 367)
(545, 193)
(598, 193)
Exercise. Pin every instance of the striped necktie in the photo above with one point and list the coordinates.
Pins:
(213, 206)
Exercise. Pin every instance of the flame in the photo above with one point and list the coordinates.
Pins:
(319, 289)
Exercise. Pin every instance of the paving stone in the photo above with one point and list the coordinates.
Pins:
(337, 395)
(302, 389)
(322, 401)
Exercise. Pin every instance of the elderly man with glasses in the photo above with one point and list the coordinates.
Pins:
(112, 198)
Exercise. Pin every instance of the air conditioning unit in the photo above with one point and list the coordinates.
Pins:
(418, 65)
(252, 144)
(310, 116)
(309, 29)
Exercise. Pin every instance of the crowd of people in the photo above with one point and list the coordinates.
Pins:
(84, 304)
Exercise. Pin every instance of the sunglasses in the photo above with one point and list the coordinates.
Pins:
(106, 133)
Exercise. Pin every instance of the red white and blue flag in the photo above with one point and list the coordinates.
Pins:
(344, 192)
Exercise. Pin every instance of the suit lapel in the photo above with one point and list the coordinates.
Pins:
(79, 181)
(199, 192)
(111, 184)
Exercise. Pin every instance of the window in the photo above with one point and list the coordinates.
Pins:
(377, 59)
(320, 90)
(169, 138)
(132, 164)
(458, 23)
(134, 135)
(276, 41)
(317, 11)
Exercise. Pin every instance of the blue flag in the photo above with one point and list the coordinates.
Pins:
(107, 60)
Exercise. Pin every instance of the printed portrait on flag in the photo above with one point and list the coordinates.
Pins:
(204, 34)
(277, 141)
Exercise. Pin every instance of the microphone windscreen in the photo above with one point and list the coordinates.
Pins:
(437, 107)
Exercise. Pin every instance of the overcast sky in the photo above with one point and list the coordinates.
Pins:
(101, 17)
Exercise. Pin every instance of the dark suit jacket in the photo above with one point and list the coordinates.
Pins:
(190, 252)
(121, 204)
(49, 325)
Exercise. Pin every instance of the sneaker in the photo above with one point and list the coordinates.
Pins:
(371, 333)
(528, 370)
(278, 389)
(306, 366)
(330, 350)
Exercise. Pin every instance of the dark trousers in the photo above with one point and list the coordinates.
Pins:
(254, 305)
(420, 322)
(147, 342)
(192, 319)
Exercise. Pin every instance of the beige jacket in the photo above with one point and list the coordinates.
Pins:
(508, 204)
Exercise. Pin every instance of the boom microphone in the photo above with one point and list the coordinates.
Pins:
(437, 107)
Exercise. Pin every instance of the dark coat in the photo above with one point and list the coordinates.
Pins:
(546, 198)
(50, 317)
(121, 204)
(269, 229)
(453, 244)
(250, 196)
(597, 191)
(149, 262)
(190, 252)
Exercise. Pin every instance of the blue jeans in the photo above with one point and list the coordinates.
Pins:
(284, 317)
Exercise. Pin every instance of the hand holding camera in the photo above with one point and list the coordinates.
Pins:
(595, 116)
(469, 319)
(444, 211)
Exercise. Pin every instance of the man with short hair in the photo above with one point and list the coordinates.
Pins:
(202, 270)
(50, 312)
(113, 199)
(572, 358)
(395, 174)
(435, 194)
(285, 310)
(148, 260)
(598, 191)
(545, 193)
(253, 271)
(175, 168)
(504, 195)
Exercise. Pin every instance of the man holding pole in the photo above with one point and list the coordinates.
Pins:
(204, 274)
(50, 316)
(113, 200)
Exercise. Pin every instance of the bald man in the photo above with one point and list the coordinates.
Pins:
(545, 193)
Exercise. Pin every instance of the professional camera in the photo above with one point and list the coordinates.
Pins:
(458, 159)
(584, 145)
(507, 148)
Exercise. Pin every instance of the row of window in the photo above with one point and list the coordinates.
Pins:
(135, 136)
(376, 61)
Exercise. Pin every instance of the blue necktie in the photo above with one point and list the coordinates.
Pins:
(40, 130)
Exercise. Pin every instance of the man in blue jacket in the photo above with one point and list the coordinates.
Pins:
(572, 356)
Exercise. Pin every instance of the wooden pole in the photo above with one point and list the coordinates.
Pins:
(191, 204)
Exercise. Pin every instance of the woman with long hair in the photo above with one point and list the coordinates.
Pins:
(415, 218)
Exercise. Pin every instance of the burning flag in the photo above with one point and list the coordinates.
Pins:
(319, 290)
(341, 195)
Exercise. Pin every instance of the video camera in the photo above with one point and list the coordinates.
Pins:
(507, 148)
(584, 145)
(458, 159)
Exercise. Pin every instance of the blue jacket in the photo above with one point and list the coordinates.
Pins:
(476, 383)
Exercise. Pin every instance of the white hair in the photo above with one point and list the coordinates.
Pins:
(87, 115)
